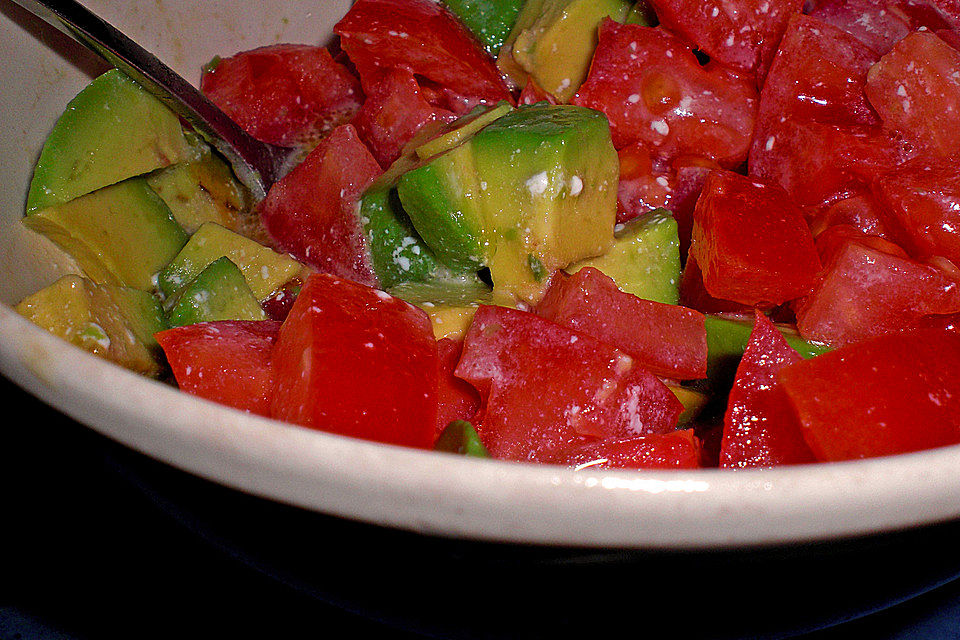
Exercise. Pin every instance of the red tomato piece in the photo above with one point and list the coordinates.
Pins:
(675, 450)
(667, 339)
(861, 212)
(284, 94)
(358, 362)
(694, 295)
(760, 427)
(946, 322)
(456, 399)
(916, 90)
(654, 92)
(532, 93)
(311, 211)
(876, 23)
(226, 361)
(864, 293)
(738, 33)
(582, 388)
(925, 198)
(392, 113)
(835, 238)
(891, 394)
(752, 244)
(424, 38)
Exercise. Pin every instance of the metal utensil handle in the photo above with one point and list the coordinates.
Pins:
(256, 164)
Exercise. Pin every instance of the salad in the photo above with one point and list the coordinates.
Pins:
(595, 233)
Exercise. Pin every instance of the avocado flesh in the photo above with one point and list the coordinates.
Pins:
(111, 131)
(460, 437)
(114, 323)
(553, 42)
(204, 190)
(489, 20)
(530, 193)
(644, 259)
(462, 129)
(120, 235)
(265, 270)
(450, 304)
(220, 292)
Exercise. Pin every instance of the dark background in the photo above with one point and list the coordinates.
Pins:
(102, 542)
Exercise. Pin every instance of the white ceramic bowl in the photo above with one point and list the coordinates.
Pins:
(414, 490)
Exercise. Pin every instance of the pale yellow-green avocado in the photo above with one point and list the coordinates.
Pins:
(220, 292)
(450, 304)
(111, 131)
(553, 42)
(120, 235)
(114, 323)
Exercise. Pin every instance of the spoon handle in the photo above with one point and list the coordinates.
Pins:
(256, 163)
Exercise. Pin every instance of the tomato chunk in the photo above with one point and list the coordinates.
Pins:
(456, 399)
(751, 243)
(392, 113)
(311, 211)
(760, 427)
(667, 339)
(358, 362)
(864, 292)
(284, 94)
(737, 33)
(424, 38)
(584, 389)
(675, 450)
(892, 394)
(916, 90)
(226, 361)
(877, 24)
(655, 92)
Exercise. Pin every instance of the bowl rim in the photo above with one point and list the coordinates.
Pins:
(498, 501)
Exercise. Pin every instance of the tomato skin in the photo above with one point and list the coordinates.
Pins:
(916, 93)
(284, 94)
(395, 109)
(693, 293)
(654, 92)
(734, 33)
(760, 426)
(311, 211)
(227, 361)
(870, 21)
(864, 292)
(751, 243)
(582, 389)
(892, 394)
(356, 361)
(456, 399)
(424, 38)
(668, 340)
(835, 238)
(674, 450)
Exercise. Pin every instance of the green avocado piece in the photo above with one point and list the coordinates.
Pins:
(644, 259)
(642, 13)
(265, 270)
(553, 42)
(460, 437)
(489, 20)
(111, 131)
(119, 235)
(461, 129)
(450, 304)
(220, 292)
(204, 190)
(115, 323)
(530, 193)
(693, 401)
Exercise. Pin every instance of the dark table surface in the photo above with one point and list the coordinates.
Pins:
(101, 542)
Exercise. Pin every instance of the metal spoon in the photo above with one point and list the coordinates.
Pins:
(257, 164)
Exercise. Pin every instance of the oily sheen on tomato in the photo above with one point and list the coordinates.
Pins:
(359, 362)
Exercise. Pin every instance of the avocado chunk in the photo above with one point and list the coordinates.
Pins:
(265, 270)
(114, 323)
(644, 259)
(693, 401)
(460, 437)
(120, 235)
(553, 42)
(203, 190)
(489, 20)
(462, 129)
(450, 304)
(642, 13)
(111, 131)
(530, 193)
(220, 292)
